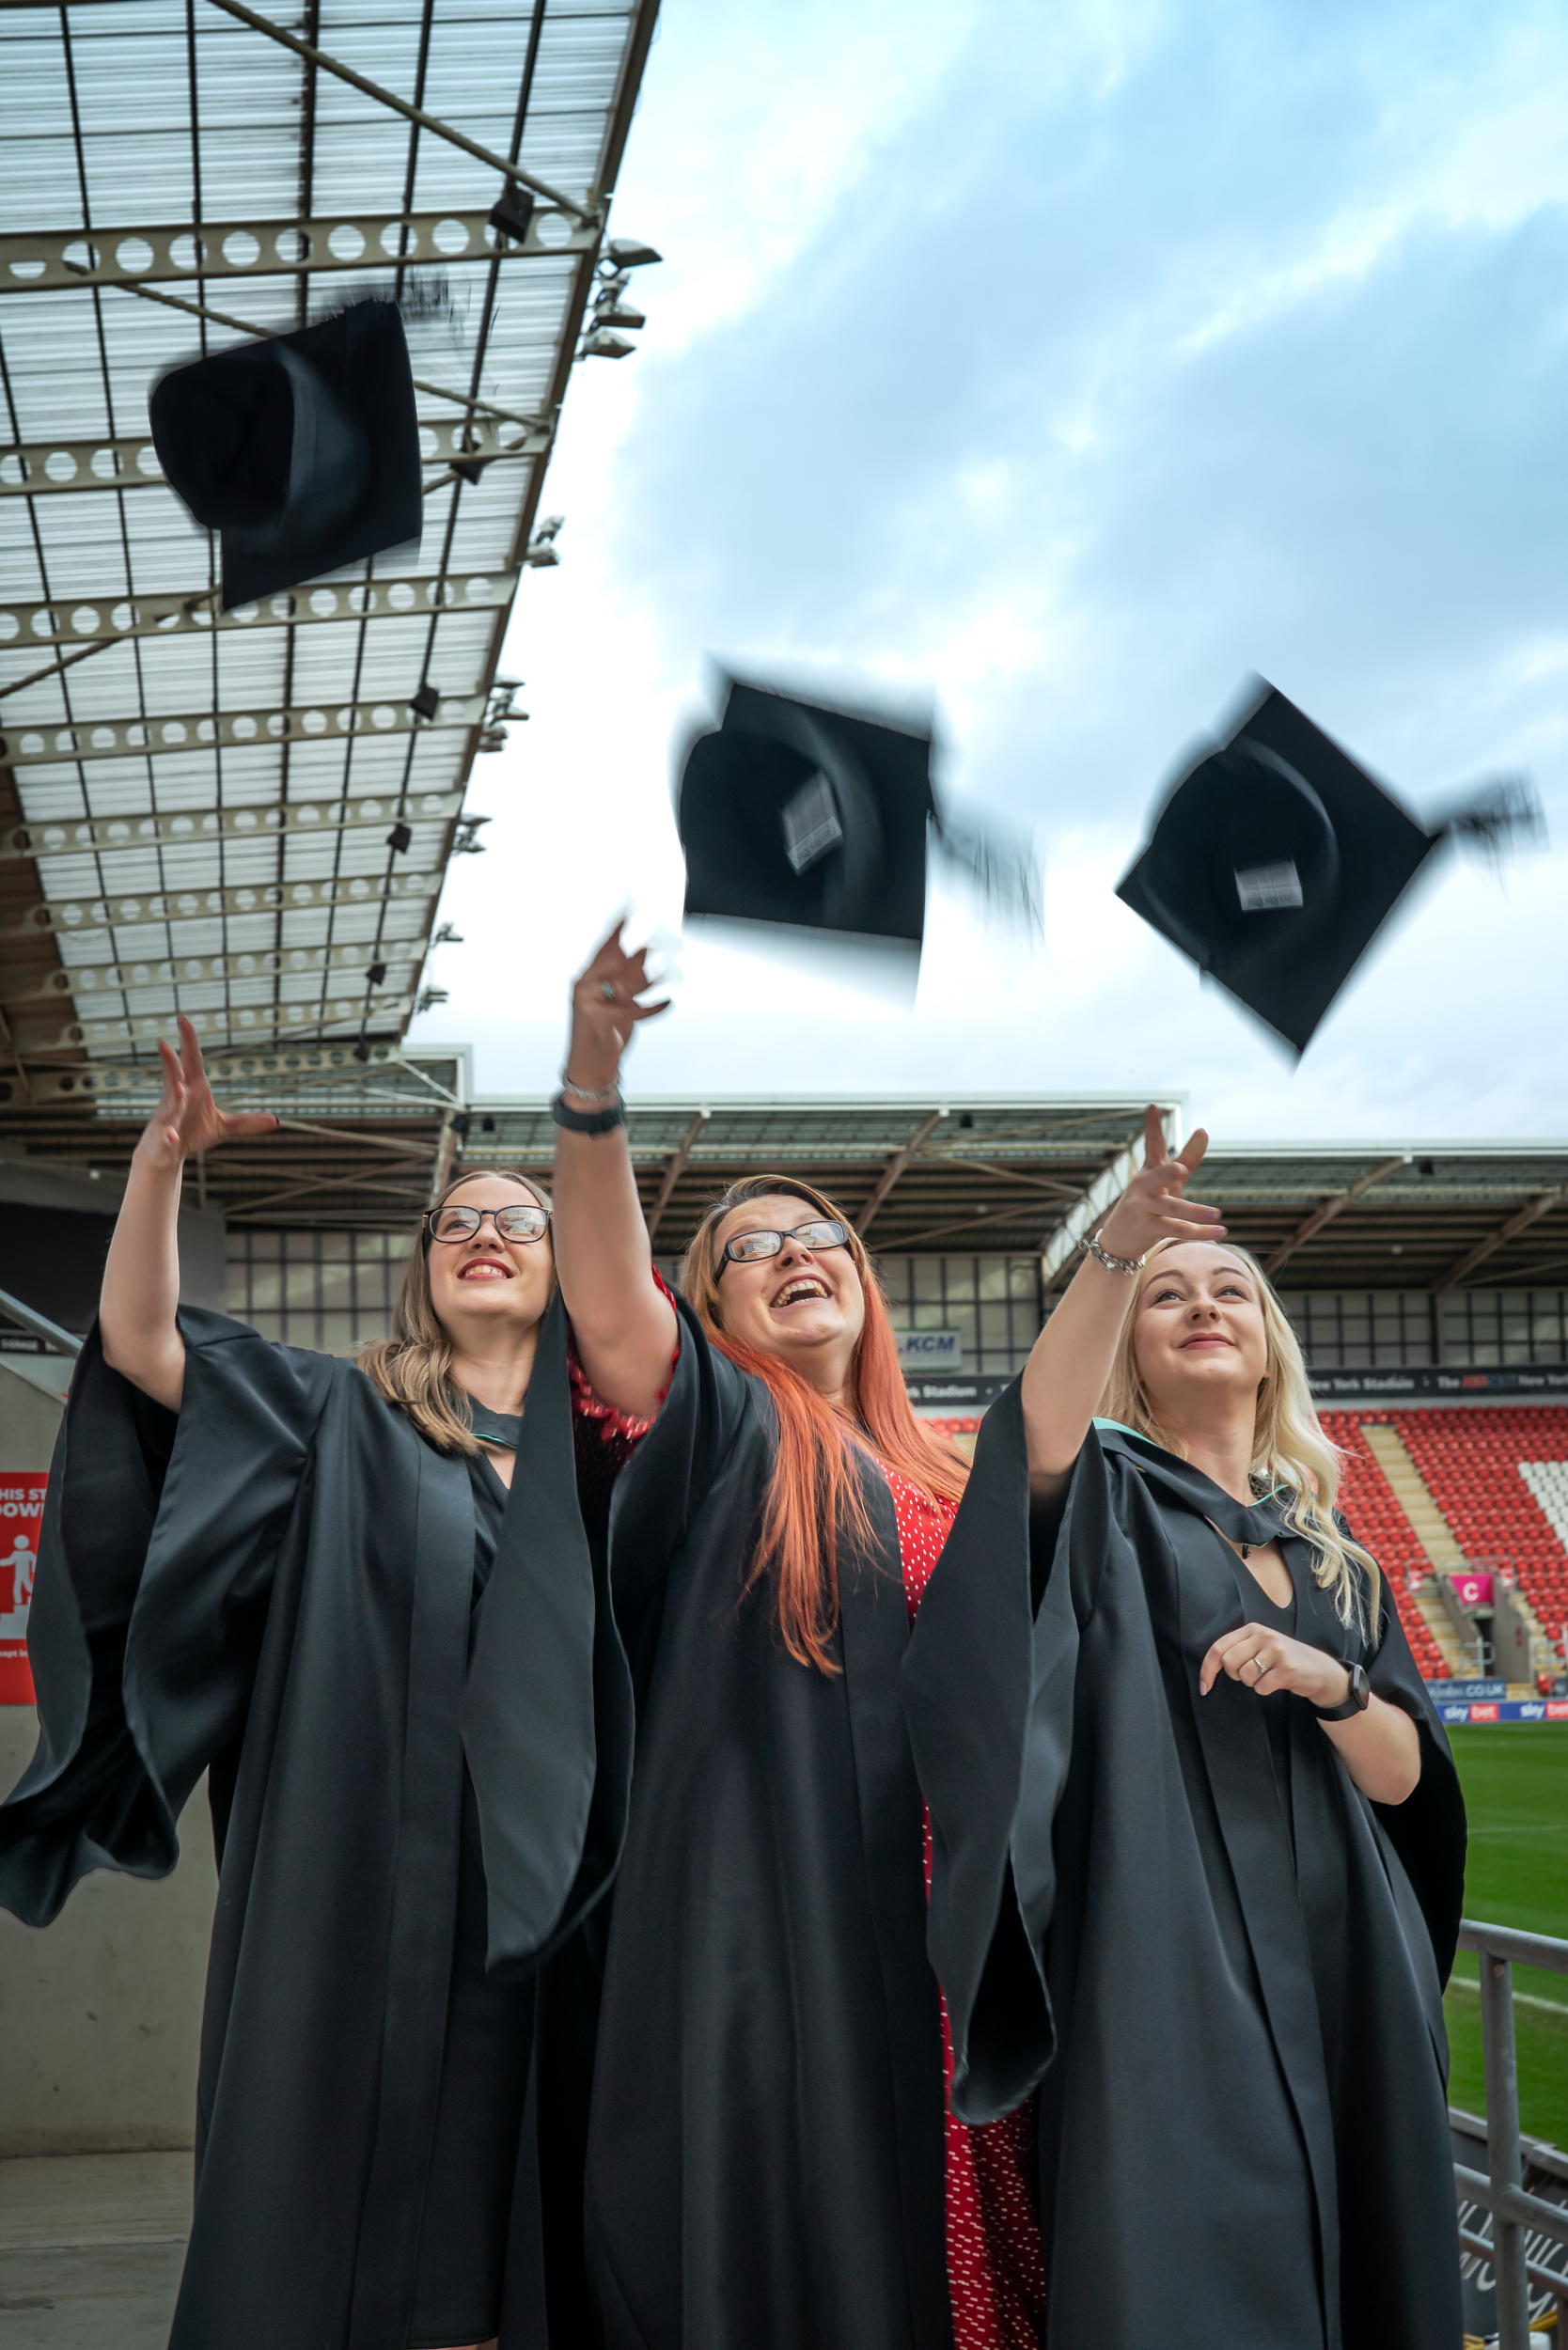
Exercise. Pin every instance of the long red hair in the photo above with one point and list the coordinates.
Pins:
(814, 1497)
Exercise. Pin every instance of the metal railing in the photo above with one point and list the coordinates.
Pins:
(1516, 2215)
(61, 1342)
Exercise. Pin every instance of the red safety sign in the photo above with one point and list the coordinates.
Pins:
(21, 1514)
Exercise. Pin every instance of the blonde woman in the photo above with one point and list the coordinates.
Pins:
(1222, 1818)
(360, 1596)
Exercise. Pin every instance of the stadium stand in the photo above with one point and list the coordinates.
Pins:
(1374, 1514)
(1499, 1478)
(1497, 1475)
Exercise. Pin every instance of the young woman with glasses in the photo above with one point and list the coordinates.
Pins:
(359, 1595)
(771, 2163)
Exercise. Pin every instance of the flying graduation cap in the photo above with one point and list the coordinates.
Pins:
(301, 450)
(798, 815)
(1276, 860)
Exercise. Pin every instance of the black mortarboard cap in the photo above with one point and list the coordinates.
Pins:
(797, 814)
(1276, 860)
(301, 451)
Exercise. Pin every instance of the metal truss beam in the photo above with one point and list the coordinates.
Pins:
(228, 1028)
(895, 1168)
(1331, 1208)
(673, 1166)
(1542, 1205)
(51, 468)
(44, 261)
(100, 835)
(153, 910)
(227, 730)
(244, 327)
(272, 1023)
(85, 979)
(109, 621)
(432, 123)
(107, 1084)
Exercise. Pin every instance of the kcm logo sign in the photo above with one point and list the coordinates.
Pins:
(930, 1350)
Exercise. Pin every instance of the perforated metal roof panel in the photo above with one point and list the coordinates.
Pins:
(196, 808)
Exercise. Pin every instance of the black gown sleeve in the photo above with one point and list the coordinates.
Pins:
(155, 1559)
(1428, 1831)
(988, 1696)
(676, 1466)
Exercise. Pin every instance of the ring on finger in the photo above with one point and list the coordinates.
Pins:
(1262, 1669)
(607, 988)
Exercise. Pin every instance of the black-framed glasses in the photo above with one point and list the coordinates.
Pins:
(459, 1223)
(749, 1247)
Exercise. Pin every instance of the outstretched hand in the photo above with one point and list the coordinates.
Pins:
(1152, 1208)
(187, 1119)
(606, 1010)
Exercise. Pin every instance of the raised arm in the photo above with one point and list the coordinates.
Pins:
(1066, 1374)
(623, 1324)
(141, 1279)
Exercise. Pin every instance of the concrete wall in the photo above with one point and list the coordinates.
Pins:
(100, 2013)
(30, 1409)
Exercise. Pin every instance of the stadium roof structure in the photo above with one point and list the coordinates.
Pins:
(999, 1174)
(244, 816)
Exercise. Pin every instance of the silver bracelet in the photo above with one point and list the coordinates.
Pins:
(591, 1093)
(1102, 1256)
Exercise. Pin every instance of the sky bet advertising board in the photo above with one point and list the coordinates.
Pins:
(20, 1511)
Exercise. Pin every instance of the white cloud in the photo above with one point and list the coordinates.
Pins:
(1067, 363)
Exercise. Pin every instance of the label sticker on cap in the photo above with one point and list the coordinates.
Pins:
(1265, 888)
(811, 825)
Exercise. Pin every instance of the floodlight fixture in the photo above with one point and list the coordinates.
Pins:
(513, 214)
(429, 997)
(376, 976)
(397, 839)
(447, 937)
(626, 252)
(617, 313)
(601, 344)
(425, 703)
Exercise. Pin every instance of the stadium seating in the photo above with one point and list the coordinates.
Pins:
(1499, 1476)
(1374, 1518)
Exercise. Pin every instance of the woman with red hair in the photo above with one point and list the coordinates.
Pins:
(772, 2160)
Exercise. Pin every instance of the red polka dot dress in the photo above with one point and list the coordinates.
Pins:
(995, 2261)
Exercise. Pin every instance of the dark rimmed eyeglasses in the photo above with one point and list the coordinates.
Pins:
(749, 1247)
(452, 1223)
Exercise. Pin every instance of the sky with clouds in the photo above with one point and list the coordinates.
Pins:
(1056, 365)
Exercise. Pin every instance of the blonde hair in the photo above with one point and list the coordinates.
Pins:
(410, 1368)
(1289, 1448)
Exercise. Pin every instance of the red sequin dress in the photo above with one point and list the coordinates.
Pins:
(995, 2261)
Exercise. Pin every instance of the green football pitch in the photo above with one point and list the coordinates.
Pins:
(1515, 1785)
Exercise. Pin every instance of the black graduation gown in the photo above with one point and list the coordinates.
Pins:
(289, 1604)
(1240, 2044)
(765, 2155)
